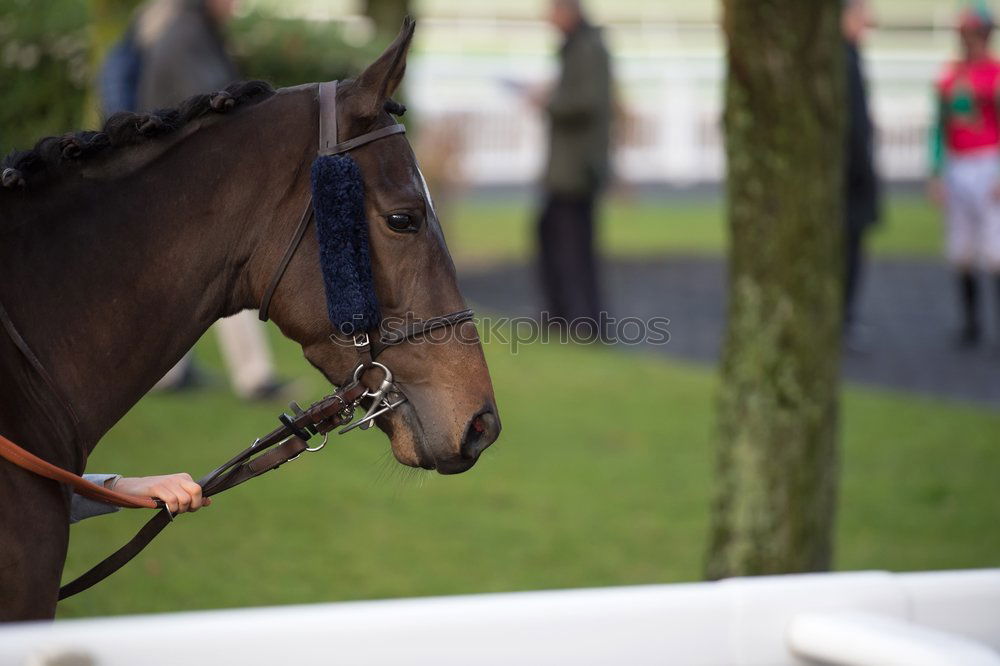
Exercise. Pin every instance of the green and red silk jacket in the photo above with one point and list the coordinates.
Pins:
(968, 103)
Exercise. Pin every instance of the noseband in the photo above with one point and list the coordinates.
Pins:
(368, 344)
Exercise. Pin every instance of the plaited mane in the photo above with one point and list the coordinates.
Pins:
(55, 155)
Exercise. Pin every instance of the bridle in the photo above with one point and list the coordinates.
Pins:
(289, 440)
(368, 344)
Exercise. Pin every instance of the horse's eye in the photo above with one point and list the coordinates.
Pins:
(402, 223)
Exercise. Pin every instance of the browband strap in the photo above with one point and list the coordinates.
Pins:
(328, 135)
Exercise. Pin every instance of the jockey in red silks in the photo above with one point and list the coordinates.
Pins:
(966, 163)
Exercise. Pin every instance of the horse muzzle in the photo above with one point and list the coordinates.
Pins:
(432, 446)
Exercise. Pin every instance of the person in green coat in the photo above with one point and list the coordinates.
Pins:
(579, 112)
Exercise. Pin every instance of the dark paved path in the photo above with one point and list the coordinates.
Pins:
(908, 305)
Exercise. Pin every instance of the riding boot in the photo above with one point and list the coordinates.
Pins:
(969, 290)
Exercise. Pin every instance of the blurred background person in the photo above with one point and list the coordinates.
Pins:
(173, 50)
(861, 187)
(966, 164)
(183, 50)
(579, 111)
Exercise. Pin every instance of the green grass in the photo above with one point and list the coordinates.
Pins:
(576, 493)
(483, 230)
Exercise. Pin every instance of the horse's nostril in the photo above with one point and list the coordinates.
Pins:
(483, 430)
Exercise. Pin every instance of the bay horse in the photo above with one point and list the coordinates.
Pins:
(120, 248)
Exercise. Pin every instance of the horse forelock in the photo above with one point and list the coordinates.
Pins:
(56, 155)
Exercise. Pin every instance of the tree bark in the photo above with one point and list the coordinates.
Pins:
(777, 462)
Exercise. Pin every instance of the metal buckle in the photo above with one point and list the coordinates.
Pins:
(377, 397)
(314, 449)
(311, 449)
(358, 371)
(373, 414)
(379, 403)
(361, 340)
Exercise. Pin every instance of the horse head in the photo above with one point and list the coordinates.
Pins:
(449, 415)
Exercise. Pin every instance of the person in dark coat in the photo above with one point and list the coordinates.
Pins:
(175, 49)
(861, 186)
(183, 50)
(579, 111)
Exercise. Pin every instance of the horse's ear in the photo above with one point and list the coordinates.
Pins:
(379, 81)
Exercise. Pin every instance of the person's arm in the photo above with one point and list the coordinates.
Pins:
(81, 507)
(935, 189)
(862, 180)
(178, 491)
(937, 138)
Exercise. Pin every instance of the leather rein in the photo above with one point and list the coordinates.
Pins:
(281, 445)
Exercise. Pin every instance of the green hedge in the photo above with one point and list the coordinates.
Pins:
(287, 52)
(45, 71)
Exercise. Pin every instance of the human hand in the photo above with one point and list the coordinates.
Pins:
(936, 191)
(538, 95)
(178, 491)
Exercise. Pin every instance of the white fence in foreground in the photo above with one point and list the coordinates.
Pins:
(947, 618)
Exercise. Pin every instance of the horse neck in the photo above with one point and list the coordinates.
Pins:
(126, 275)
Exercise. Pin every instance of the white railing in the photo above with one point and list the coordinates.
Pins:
(670, 80)
(948, 618)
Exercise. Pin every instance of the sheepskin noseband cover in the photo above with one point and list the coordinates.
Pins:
(342, 229)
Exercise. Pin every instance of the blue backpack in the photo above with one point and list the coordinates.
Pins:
(118, 80)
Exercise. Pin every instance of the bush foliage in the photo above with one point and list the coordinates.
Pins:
(43, 68)
(46, 71)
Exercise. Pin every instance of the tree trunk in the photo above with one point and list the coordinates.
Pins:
(777, 463)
